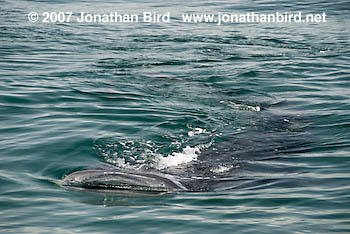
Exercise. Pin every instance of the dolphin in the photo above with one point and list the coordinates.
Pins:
(116, 179)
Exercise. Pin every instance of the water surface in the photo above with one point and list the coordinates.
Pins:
(264, 102)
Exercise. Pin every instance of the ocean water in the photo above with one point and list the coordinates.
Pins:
(255, 117)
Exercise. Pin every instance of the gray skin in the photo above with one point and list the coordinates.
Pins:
(116, 179)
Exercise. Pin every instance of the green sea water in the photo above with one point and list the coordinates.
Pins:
(262, 109)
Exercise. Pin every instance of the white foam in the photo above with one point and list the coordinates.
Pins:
(221, 169)
(196, 131)
(120, 162)
(187, 155)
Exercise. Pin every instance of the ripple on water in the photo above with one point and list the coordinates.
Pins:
(262, 109)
